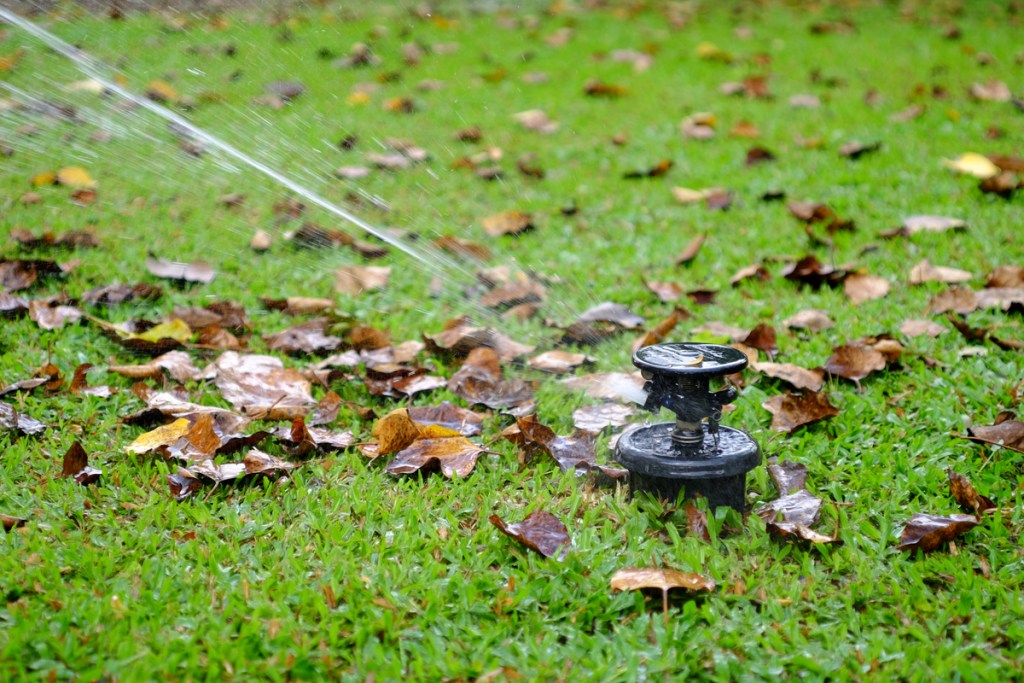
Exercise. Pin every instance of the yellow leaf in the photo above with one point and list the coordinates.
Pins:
(358, 98)
(395, 431)
(175, 329)
(75, 176)
(712, 52)
(162, 91)
(972, 163)
(8, 62)
(161, 437)
(44, 178)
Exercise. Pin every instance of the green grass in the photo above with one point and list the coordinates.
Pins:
(119, 581)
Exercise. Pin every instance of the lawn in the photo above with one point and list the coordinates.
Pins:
(343, 570)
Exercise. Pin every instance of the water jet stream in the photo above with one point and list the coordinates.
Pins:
(435, 263)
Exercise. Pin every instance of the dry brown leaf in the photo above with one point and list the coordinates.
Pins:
(575, 452)
(609, 386)
(449, 416)
(691, 250)
(660, 331)
(788, 477)
(395, 431)
(854, 362)
(927, 532)
(594, 418)
(479, 380)
(540, 531)
(810, 319)
(928, 223)
(508, 223)
(197, 271)
(76, 466)
(860, 288)
(662, 579)
(558, 362)
(967, 497)
(437, 446)
(961, 300)
(356, 280)
(796, 376)
(1008, 433)
(917, 328)
(666, 291)
(926, 272)
(260, 386)
(791, 411)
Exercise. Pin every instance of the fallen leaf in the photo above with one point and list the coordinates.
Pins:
(860, 288)
(699, 126)
(9, 523)
(18, 274)
(594, 418)
(991, 91)
(177, 364)
(459, 338)
(76, 466)
(479, 380)
(540, 531)
(927, 532)
(75, 177)
(763, 338)
(855, 150)
(973, 164)
(662, 579)
(854, 362)
(609, 386)
(801, 507)
(657, 170)
(299, 305)
(51, 315)
(449, 416)
(666, 291)
(1004, 185)
(810, 271)
(507, 223)
(917, 328)
(692, 248)
(1009, 277)
(198, 271)
(572, 453)
(260, 386)
(80, 385)
(356, 280)
(536, 119)
(309, 337)
(112, 295)
(926, 272)
(11, 418)
(966, 496)
(791, 411)
(961, 300)
(659, 332)
(558, 362)
(1007, 433)
(788, 477)
(183, 484)
(798, 377)
(437, 446)
(750, 272)
(162, 91)
(160, 438)
(927, 223)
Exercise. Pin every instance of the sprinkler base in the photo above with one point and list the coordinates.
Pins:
(715, 468)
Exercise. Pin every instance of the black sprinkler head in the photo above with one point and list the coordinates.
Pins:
(694, 454)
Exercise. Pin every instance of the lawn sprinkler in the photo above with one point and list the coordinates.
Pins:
(694, 453)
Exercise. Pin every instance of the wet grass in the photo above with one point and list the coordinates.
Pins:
(346, 571)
